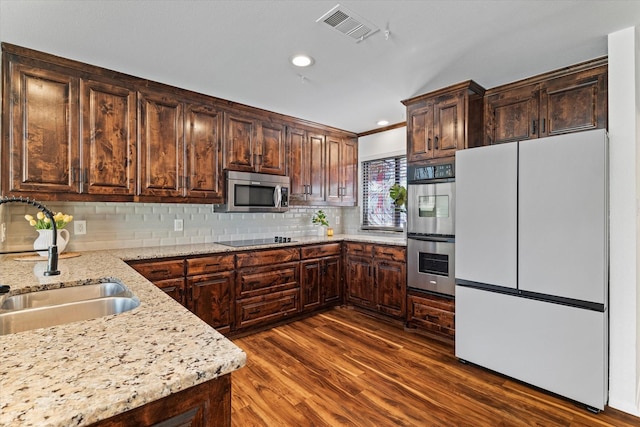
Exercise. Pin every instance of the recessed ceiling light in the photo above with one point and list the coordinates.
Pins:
(301, 60)
(383, 122)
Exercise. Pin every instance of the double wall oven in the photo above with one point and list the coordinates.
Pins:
(431, 205)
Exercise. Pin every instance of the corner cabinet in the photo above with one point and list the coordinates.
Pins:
(342, 171)
(376, 278)
(571, 99)
(440, 123)
(320, 276)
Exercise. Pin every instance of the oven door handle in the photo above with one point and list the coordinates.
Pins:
(427, 238)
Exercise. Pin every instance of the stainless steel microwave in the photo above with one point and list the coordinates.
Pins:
(255, 192)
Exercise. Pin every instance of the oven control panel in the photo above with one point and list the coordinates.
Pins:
(429, 172)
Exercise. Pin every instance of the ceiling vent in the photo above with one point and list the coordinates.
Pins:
(348, 23)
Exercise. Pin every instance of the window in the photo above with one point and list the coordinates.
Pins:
(378, 210)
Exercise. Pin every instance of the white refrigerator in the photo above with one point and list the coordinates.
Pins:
(532, 262)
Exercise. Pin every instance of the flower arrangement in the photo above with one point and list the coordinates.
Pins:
(320, 218)
(42, 222)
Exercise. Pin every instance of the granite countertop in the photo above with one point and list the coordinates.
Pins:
(207, 248)
(83, 372)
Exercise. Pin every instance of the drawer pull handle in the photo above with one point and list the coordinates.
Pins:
(160, 271)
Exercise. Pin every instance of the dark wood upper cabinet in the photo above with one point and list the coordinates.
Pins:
(440, 123)
(271, 152)
(109, 141)
(254, 145)
(342, 170)
(572, 99)
(161, 124)
(204, 154)
(41, 130)
(306, 166)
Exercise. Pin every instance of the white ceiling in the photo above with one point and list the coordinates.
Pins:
(239, 50)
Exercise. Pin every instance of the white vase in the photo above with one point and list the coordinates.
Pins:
(44, 240)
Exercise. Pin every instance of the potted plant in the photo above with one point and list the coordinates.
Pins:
(398, 193)
(320, 218)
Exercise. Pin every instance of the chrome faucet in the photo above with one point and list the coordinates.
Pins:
(52, 261)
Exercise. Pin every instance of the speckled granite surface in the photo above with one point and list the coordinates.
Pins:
(82, 372)
(185, 250)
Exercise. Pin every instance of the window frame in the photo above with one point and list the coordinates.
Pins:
(400, 177)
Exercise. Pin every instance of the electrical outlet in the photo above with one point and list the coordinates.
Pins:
(178, 225)
(3, 232)
(80, 227)
(338, 220)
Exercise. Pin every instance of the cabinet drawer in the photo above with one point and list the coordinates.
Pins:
(319, 251)
(261, 280)
(434, 314)
(390, 253)
(266, 308)
(363, 249)
(268, 257)
(210, 264)
(159, 270)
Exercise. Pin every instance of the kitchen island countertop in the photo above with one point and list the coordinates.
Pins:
(83, 372)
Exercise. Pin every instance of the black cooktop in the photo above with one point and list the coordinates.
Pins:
(257, 242)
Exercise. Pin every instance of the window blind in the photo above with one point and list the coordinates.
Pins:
(378, 176)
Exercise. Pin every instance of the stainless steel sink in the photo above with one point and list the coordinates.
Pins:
(62, 295)
(53, 307)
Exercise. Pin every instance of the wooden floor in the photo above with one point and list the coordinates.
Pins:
(344, 368)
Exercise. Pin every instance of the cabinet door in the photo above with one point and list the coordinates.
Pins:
(161, 146)
(238, 146)
(512, 115)
(349, 172)
(360, 281)
(390, 281)
(420, 133)
(310, 279)
(341, 166)
(271, 152)
(210, 298)
(43, 137)
(109, 139)
(449, 125)
(315, 158)
(204, 161)
(574, 103)
(334, 185)
(298, 164)
(331, 281)
(172, 287)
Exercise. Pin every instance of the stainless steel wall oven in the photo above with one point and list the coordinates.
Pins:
(431, 227)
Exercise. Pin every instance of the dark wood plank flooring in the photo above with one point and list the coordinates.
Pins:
(345, 368)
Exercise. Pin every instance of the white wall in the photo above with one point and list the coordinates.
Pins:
(379, 145)
(624, 295)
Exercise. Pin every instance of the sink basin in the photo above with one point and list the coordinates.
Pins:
(42, 317)
(62, 296)
(53, 307)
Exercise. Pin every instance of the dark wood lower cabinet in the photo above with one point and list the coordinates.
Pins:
(320, 276)
(432, 314)
(204, 405)
(376, 278)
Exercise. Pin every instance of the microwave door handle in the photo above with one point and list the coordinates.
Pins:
(277, 196)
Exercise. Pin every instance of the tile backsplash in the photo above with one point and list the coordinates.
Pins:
(130, 225)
